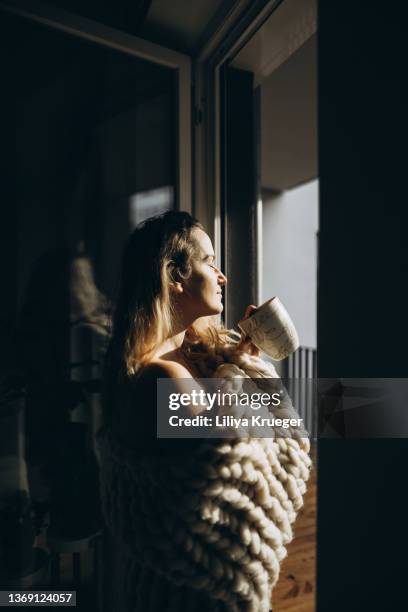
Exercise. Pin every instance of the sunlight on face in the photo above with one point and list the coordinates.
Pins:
(203, 290)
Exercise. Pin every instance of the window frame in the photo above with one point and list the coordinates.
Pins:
(128, 44)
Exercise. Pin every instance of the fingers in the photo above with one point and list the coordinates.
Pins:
(249, 310)
(246, 344)
(250, 348)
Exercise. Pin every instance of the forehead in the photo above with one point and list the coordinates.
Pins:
(203, 241)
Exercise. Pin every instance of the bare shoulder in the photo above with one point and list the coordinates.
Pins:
(161, 368)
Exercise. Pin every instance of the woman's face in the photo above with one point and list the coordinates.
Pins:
(202, 294)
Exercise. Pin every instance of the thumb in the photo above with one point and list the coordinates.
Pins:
(249, 311)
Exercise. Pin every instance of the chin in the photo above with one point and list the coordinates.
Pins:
(218, 309)
(213, 309)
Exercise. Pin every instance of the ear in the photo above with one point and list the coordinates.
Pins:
(174, 277)
(176, 287)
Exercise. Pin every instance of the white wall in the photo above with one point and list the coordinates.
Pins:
(289, 262)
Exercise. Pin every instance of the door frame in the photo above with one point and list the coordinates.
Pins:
(239, 26)
(106, 36)
(244, 20)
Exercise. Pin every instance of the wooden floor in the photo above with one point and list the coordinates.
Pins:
(296, 589)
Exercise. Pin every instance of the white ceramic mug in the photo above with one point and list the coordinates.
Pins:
(272, 330)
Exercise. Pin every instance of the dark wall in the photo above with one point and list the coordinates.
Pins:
(8, 236)
(362, 299)
(363, 210)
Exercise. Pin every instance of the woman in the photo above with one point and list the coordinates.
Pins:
(166, 315)
(198, 524)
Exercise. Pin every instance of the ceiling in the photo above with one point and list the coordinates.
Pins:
(180, 24)
(127, 15)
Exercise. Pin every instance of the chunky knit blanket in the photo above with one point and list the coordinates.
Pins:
(206, 531)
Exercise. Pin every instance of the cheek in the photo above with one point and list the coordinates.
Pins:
(202, 283)
(210, 281)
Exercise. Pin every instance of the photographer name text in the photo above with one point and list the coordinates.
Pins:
(231, 421)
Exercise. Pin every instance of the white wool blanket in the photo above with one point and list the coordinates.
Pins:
(211, 527)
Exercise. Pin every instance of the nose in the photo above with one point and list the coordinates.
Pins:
(222, 279)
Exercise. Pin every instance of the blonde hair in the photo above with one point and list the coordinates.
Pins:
(159, 251)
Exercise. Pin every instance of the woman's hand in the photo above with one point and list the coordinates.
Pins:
(245, 344)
